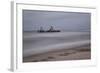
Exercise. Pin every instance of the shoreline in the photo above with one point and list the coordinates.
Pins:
(80, 53)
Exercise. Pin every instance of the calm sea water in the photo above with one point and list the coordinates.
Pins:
(34, 43)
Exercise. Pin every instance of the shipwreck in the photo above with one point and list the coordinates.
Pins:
(49, 30)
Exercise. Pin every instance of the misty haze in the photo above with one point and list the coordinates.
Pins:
(56, 36)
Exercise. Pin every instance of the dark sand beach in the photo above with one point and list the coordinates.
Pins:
(79, 53)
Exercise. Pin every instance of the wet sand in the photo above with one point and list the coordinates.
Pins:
(79, 53)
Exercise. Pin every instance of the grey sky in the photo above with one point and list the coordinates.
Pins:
(65, 21)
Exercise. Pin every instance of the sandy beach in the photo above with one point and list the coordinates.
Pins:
(79, 53)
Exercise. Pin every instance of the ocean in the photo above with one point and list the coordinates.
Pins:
(36, 43)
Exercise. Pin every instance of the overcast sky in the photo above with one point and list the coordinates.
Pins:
(64, 21)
